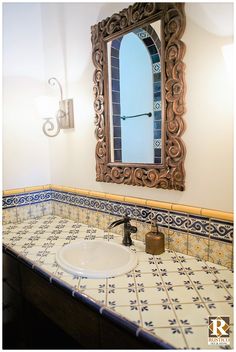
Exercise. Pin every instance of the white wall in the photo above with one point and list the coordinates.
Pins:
(67, 55)
(25, 148)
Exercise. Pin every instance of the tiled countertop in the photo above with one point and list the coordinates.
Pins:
(170, 296)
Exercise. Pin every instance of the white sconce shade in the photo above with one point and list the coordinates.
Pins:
(47, 107)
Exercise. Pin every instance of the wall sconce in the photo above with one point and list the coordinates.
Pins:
(56, 116)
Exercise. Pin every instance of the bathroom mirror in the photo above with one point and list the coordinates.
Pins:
(139, 91)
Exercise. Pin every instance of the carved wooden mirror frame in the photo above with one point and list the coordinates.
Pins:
(170, 174)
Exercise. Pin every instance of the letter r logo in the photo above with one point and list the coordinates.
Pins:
(218, 326)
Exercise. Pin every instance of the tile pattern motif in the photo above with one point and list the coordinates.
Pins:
(168, 296)
(26, 198)
(202, 236)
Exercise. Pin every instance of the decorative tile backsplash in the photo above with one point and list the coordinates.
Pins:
(169, 296)
(201, 236)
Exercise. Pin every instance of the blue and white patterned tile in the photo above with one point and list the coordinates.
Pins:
(214, 293)
(182, 257)
(201, 277)
(8, 201)
(157, 316)
(167, 255)
(195, 264)
(169, 265)
(191, 314)
(178, 221)
(225, 275)
(135, 295)
(122, 297)
(132, 313)
(48, 257)
(146, 267)
(71, 280)
(148, 280)
(172, 335)
(34, 253)
(221, 230)
(157, 143)
(122, 281)
(176, 279)
(161, 217)
(32, 197)
(87, 284)
(142, 213)
(156, 67)
(199, 226)
(142, 34)
(117, 208)
(152, 295)
(184, 294)
(11, 227)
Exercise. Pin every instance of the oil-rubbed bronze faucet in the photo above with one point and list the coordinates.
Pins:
(128, 229)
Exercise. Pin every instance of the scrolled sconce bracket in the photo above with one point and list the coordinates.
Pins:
(64, 117)
(49, 126)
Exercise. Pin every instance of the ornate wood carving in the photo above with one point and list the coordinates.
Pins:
(171, 174)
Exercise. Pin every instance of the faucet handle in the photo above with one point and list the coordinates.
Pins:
(131, 228)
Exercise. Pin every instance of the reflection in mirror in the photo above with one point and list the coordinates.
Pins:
(135, 109)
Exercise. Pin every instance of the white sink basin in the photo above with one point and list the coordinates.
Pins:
(96, 259)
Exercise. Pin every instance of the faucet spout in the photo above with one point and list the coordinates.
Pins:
(116, 223)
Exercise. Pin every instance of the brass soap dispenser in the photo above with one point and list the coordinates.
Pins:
(155, 241)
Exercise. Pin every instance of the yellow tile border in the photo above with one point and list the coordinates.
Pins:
(186, 209)
(115, 197)
(97, 194)
(14, 191)
(138, 201)
(10, 192)
(216, 214)
(162, 205)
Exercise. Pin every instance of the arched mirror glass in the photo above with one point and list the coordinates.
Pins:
(135, 109)
(139, 90)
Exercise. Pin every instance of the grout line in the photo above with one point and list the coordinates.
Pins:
(139, 306)
(202, 301)
(172, 306)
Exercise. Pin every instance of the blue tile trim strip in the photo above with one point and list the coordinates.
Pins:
(26, 199)
(191, 224)
(221, 230)
(198, 225)
(88, 301)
